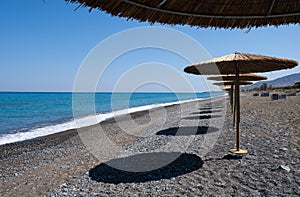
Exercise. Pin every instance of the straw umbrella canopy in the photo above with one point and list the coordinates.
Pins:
(239, 63)
(233, 83)
(213, 13)
(226, 88)
(247, 63)
(243, 77)
(229, 86)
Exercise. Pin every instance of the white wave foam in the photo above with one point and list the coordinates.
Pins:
(79, 123)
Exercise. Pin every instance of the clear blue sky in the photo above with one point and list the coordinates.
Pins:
(44, 43)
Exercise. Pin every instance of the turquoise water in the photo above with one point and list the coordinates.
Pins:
(23, 112)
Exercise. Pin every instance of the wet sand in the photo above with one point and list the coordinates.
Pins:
(176, 150)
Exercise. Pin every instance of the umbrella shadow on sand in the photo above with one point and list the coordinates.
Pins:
(211, 108)
(186, 131)
(204, 117)
(132, 169)
(210, 111)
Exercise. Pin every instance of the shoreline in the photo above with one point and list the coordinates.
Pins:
(59, 137)
(65, 134)
(84, 121)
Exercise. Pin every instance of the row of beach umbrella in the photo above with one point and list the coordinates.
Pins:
(217, 14)
(228, 85)
(237, 64)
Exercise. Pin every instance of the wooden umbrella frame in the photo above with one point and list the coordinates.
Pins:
(238, 150)
(231, 98)
(235, 108)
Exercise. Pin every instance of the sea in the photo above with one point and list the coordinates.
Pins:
(27, 115)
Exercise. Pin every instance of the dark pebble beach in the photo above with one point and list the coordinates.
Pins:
(179, 150)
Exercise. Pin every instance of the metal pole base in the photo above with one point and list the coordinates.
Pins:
(235, 151)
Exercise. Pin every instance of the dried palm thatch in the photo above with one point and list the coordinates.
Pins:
(226, 88)
(243, 62)
(242, 77)
(212, 13)
(227, 83)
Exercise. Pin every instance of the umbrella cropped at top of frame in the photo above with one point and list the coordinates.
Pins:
(213, 13)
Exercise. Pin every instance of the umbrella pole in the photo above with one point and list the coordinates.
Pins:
(231, 99)
(234, 104)
(238, 128)
(237, 113)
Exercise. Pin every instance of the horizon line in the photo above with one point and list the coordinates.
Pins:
(97, 92)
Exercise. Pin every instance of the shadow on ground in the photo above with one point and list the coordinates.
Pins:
(207, 112)
(202, 117)
(211, 108)
(183, 163)
(186, 131)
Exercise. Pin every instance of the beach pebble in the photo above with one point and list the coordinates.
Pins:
(64, 185)
(286, 168)
(271, 167)
(283, 149)
(64, 166)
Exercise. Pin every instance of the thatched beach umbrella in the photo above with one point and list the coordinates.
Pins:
(226, 83)
(243, 77)
(226, 88)
(239, 63)
(229, 86)
(230, 90)
(232, 84)
(213, 13)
